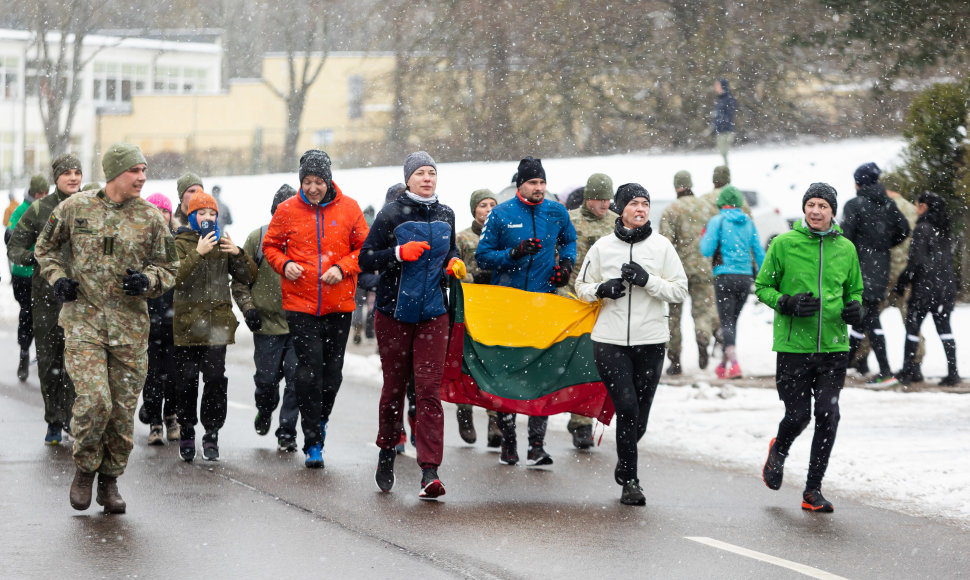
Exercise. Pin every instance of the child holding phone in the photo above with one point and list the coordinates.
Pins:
(204, 322)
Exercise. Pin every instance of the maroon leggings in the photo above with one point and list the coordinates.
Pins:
(417, 348)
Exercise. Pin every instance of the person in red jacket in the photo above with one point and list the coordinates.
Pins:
(313, 242)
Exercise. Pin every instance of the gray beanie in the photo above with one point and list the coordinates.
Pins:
(187, 181)
(415, 160)
(316, 162)
(282, 194)
(822, 191)
(63, 164)
(119, 158)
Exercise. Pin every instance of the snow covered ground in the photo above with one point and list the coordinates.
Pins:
(904, 451)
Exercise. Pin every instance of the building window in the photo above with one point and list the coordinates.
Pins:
(181, 80)
(355, 98)
(322, 137)
(9, 78)
(117, 83)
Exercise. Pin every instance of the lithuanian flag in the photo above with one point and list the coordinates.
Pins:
(523, 352)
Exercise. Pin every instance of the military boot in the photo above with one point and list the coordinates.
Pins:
(674, 368)
(702, 354)
(108, 495)
(81, 489)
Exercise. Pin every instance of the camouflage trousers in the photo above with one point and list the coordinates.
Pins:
(893, 299)
(108, 380)
(703, 309)
(55, 384)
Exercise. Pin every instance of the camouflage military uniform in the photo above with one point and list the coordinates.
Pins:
(467, 242)
(93, 240)
(683, 223)
(55, 384)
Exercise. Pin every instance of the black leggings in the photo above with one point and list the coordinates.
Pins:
(731, 291)
(25, 324)
(631, 375)
(800, 378)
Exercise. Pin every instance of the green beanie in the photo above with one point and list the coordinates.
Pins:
(598, 186)
(478, 195)
(63, 164)
(38, 184)
(682, 180)
(94, 185)
(187, 181)
(731, 196)
(722, 176)
(119, 158)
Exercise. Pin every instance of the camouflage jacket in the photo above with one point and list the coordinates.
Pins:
(467, 242)
(20, 250)
(589, 229)
(103, 239)
(899, 254)
(683, 224)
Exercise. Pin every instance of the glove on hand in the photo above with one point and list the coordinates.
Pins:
(253, 320)
(135, 283)
(612, 289)
(527, 247)
(66, 289)
(853, 313)
(411, 251)
(634, 274)
(801, 305)
(560, 274)
(456, 268)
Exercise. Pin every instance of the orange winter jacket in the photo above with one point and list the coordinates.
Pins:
(316, 237)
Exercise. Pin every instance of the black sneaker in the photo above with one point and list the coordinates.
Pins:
(263, 422)
(812, 500)
(431, 486)
(537, 456)
(774, 468)
(916, 375)
(583, 437)
(466, 426)
(632, 494)
(510, 455)
(950, 380)
(286, 444)
(494, 433)
(385, 469)
(210, 446)
(187, 450)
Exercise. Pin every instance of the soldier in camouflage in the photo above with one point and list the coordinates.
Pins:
(104, 253)
(592, 220)
(482, 202)
(683, 224)
(55, 384)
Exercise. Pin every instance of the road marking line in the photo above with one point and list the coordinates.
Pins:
(800, 568)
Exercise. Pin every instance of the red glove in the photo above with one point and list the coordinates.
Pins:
(411, 251)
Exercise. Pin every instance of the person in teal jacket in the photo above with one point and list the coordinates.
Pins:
(811, 277)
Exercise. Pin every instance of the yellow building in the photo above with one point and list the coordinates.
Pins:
(243, 129)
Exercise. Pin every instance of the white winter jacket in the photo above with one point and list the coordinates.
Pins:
(639, 317)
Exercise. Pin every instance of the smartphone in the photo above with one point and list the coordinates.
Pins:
(206, 227)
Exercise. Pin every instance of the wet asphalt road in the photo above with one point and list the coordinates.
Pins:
(258, 513)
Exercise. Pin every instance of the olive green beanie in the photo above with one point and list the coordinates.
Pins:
(682, 180)
(598, 186)
(119, 158)
(38, 184)
(478, 195)
(63, 164)
(187, 181)
(722, 176)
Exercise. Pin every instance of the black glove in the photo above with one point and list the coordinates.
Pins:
(66, 289)
(634, 273)
(612, 289)
(560, 274)
(527, 247)
(31, 260)
(853, 313)
(803, 304)
(253, 320)
(135, 283)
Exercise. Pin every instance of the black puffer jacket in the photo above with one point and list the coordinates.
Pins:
(874, 224)
(930, 266)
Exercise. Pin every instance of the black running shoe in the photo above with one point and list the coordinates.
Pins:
(812, 500)
(385, 469)
(632, 494)
(537, 456)
(774, 468)
(210, 446)
(431, 486)
(466, 426)
(583, 437)
(509, 456)
(187, 450)
(263, 422)
(286, 444)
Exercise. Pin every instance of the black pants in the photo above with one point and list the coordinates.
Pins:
(800, 378)
(319, 342)
(731, 291)
(160, 387)
(915, 315)
(631, 375)
(211, 362)
(871, 328)
(25, 324)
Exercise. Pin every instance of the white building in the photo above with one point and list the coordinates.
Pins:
(115, 69)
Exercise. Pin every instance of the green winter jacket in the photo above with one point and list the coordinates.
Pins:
(203, 306)
(17, 269)
(266, 294)
(825, 265)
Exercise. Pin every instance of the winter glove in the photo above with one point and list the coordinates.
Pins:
(253, 320)
(634, 274)
(560, 274)
(527, 247)
(31, 260)
(66, 289)
(612, 289)
(801, 305)
(135, 283)
(853, 313)
(411, 251)
(456, 268)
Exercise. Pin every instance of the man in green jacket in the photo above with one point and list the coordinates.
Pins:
(811, 277)
(55, 384)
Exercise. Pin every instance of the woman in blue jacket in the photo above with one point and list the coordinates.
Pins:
(731, 240)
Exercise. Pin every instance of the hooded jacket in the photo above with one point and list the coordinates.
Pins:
(802, 260)
(874, 224)
(734, 233)
(640, 317)
(513, 221)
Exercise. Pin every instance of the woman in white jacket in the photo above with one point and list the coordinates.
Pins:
(634, 274)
